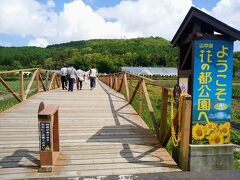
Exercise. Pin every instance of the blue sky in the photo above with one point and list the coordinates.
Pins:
(43, 22)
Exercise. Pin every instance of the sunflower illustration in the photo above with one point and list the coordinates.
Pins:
(225, 129)
(198, 132)
(210, 127)
(216, 138)
(227, 139)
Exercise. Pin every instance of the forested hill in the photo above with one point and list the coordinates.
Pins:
(108, 55)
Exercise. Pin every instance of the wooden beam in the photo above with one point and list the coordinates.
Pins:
(37, 81)
(150, 108)
(186, 56)
(163, 120)
(135, 91)
(116, 82)
(31, 82)
(46, 80)
(21, 86)
(10, 89)
(121, 84)
(17, 71)
(51, 82)
(140, 104)
(167, 137)
(130, 85)
(41, 80)
(185, 133)
(126, 86)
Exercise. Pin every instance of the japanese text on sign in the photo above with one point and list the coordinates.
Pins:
(212, 81)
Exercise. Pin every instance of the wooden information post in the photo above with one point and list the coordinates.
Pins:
(205, 72)
(48, 123)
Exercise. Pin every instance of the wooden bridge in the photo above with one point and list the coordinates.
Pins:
(100, 134)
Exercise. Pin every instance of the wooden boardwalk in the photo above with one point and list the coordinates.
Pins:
(100, 135)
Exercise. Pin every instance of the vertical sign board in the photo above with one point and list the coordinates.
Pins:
(45, 139)
(212, 91)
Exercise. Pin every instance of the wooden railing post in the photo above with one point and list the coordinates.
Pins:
(126, 86)
(37, 81)
(46, 80)
(121, 83)
(116, 83)
(140, 104)
(163, 120)
(150, 108)
(185, 133)
(130, 85)
(21, 86)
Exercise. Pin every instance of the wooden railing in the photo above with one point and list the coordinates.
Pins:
(123, 83)
(44, 80)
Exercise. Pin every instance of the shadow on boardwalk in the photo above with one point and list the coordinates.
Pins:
(15, 159)
(129, 134)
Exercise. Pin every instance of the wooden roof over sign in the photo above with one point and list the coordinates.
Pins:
(206, 24)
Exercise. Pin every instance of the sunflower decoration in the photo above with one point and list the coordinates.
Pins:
(198, 132)
(216, 138)
(210, 127)
(225, 129)
(227, 139)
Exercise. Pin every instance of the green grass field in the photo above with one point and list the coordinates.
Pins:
(6, 99)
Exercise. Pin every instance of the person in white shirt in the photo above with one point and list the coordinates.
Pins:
(80, 78)
(92, 75)
(63, 74)
(72, 73)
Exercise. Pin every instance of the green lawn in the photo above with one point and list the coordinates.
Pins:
(6, 99)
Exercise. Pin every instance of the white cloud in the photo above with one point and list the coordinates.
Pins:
(78, 21)
(228, 11)
(39, 42)
(149, 17)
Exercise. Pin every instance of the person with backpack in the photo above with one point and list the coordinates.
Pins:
(63, 74)
(71, 76)
(92, 76)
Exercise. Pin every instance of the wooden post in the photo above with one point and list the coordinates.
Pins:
(49, 136)
(130, 86)
(121, 83)
(163, 120)
(150, 108)
(126, 86)
(46, 80)
(116, 83)
(140, 104)
(110, 81)
(37, 81)
(10, 89)
(21, 86)
(185, 134)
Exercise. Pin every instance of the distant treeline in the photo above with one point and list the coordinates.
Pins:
(108, 55)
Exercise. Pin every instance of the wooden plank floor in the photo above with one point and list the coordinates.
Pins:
(100, 134)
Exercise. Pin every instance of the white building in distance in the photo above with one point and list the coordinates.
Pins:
(152, 71)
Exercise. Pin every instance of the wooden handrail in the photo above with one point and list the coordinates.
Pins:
(15, 71)
(36, 76)
(162, 133)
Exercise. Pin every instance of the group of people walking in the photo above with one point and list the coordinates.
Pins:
(69, 75)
